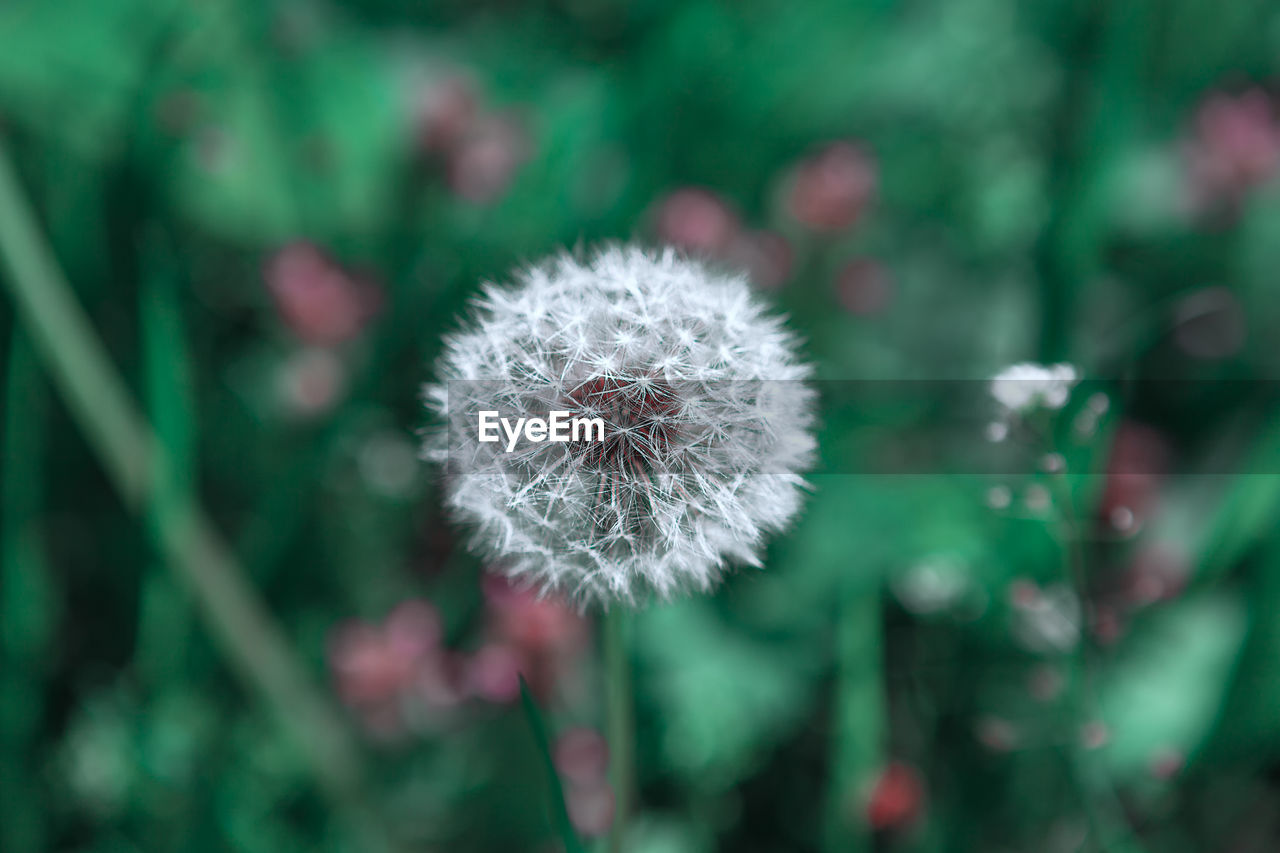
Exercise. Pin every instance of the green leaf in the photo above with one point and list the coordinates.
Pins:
(724, 697)
(1164, 693)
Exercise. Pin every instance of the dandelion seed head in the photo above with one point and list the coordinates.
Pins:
(708, 425)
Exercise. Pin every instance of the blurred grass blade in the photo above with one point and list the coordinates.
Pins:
(99, 402)
(165, 617)
(859, 723)
(559, 811)
(28, 603)
(1245, 515)
(620, 722)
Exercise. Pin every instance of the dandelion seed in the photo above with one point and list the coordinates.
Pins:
(707, 425)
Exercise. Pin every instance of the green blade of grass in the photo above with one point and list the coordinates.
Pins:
(559, 811)
(253, 643)
(859, 721)
(165, 618)
(28, 600)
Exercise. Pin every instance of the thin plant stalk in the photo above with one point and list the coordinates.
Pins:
(619, 723)
(1102, 808)
(858, 720)
(99, 401)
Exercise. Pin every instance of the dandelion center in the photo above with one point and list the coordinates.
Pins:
(640, 417)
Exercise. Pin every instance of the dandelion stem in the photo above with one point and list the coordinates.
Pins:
(99, 401)
(619, 722)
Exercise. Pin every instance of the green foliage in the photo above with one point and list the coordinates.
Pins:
(1058, 675)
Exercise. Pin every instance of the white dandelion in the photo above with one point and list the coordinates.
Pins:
(707, 425)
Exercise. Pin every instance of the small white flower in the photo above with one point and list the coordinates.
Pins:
(708, 425)
(1048, 621)
(1020, 388)
(932, 585)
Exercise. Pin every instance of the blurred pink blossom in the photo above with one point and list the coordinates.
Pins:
(545, 634)
(1107, 625)
(487, 156)
(445, 111)
(1166, 763)
(518, 615)
(897, 797)
(493, 673)
(581, 755)
(1158, 572)
(375, 663)
(864, 287)
(320, 302)
(310, 381)
(1233, 148)
(698, 220)
(1140, 456)
(832, 189)
(766, 255)
(590, 808)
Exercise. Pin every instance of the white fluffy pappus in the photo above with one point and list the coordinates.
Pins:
(708, 425)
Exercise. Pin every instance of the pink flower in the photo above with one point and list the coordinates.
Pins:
(521, 617)
(485, 160)
(766, 255)
(309, 381)
(1234, 147)
(445, 112)
(493, 673)
(696, 219)
(897, 797)
(1140, 456)
(542, 637)
(374, 664)
(833, 188)
(1158, 573)
(864, 287)
(591, 809)
(581, 755)
(318, 300)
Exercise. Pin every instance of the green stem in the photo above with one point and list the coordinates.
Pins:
(858, 721)
(96, 395)
(620, 723)
(30, 601)
(165, 616)
(1102, 807)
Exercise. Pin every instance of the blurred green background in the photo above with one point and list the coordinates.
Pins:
(257, 632)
